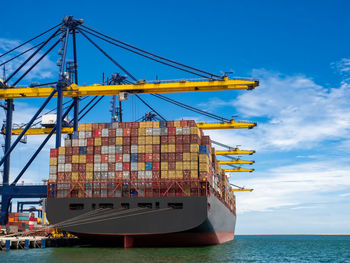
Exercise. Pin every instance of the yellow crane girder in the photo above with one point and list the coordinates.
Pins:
(234, 170)
(238, 161)
(139, 88)
(226, 125)
(235, 151)
(242, 189)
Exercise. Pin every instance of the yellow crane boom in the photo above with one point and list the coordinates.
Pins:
(242, 189)
(239, 169)
(237, 161)
(139, 88)
(235, 151)
(226, 125)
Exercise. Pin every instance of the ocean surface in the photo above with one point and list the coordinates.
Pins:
(258, 248)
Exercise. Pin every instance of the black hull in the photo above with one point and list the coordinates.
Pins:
(195, 221)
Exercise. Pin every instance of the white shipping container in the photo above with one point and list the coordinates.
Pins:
(119, 132)
(67, 143)
(60, 167)
(156, 131)
(104, 149)
(115, 125)
(148, 175)
(141, 174)
(133, 166)
(149, 131)
(97, 158)
(133, 149)
(126, 157)
(82, 142)
(104, 132)
(97, 167)
(186, 130)
(111, 149)
(68, 167)
(178, 131)
(111, 175)
(119, 166)
(164, 131)
(126, 175)
(52, 177)
(88, 134)
(53, 169)
(75, 142)
(111, 158)
(97, 175)
(61, 159)
(104, 167)
(118, 149)
(81, 135)
(104, 175)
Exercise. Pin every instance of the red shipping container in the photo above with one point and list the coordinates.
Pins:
(134, 140)
(134, 132)
(155, 175)
(111, 141)
(97, 150)
(171, 131)
(104, 141)
(111, 132)
(141, 157)
(164, 139)
(89, 158)
(126, 132)
(121, 125)
(75, 150)
(179, 157)
(148, 157)
(187, 174)
(90, 150)
(206, 140)
(118, 175)
(81, 176)
(183, 123)
(178, 139)
(60, 177)
(170, 123)
(97, 133)
(186, 139)
(90, 142)
(156, 166)
(104, 158)
(133, 175)
(171, 139)
(126, 149)
(111, 167)
(75, 167)
(67, 176)
(126, 166)
(178, 148)
(118, 158)
(156, 157)
(102, 126)
(126, 140)
(186, 148)
(171, 165)
(53, 152)
(134, 125)
(191, 123)
(68, 151)
(128, 125)
(68, 159)
(164, 157)
(156, 148)
(171, 157)
(95, 126)
(82, 167)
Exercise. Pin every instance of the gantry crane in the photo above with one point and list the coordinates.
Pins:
(68, 87)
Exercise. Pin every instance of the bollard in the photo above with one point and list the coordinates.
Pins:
(26, 244)
(8, 245)
(43, 243)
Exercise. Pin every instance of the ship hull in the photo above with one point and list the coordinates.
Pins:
(148, 221)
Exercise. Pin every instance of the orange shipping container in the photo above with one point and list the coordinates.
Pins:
(75, 158)
(53, 161)
(119, 141)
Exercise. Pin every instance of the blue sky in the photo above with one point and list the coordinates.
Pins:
(300, 53)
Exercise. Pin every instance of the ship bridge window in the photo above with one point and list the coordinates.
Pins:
(125, 205)
(76, 206)
(176, 205)
(106, 206)
(145, 205)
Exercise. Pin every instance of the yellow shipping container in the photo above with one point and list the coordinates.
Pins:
(155, 124)
(89, 167)
(148, 140)
(97, 141)
(163, 148)
(82, 158)
(141, 166)
(194, 157)
(118, 140)
(75, 158)
(186, 156)
(171, 174)
(164, 174)
(186, 165)
(171, 148)
(194, 165)
(88, 127)
(141, 131)
(164, 166)
(142, 125)
(53, 161)
(179, 166)
(141, 140)
(179, 175)
(148, 148)
(75, 176)
(177, 124)
(156, 140)
(194, 148)
(61, 151)
(149, 124)
(203, 158)
(141, 149)
(203, 167)
(89, 176)
(195, 131)
(82, 127)
(194, 174)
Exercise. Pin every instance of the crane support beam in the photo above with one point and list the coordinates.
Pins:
(226, 125)
(241, 190)
(139, 88)
(235, 151)
(238, 170)
(238, 161)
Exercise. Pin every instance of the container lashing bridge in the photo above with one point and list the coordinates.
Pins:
(67, 86)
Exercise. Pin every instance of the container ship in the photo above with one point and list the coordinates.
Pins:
(152, 183)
